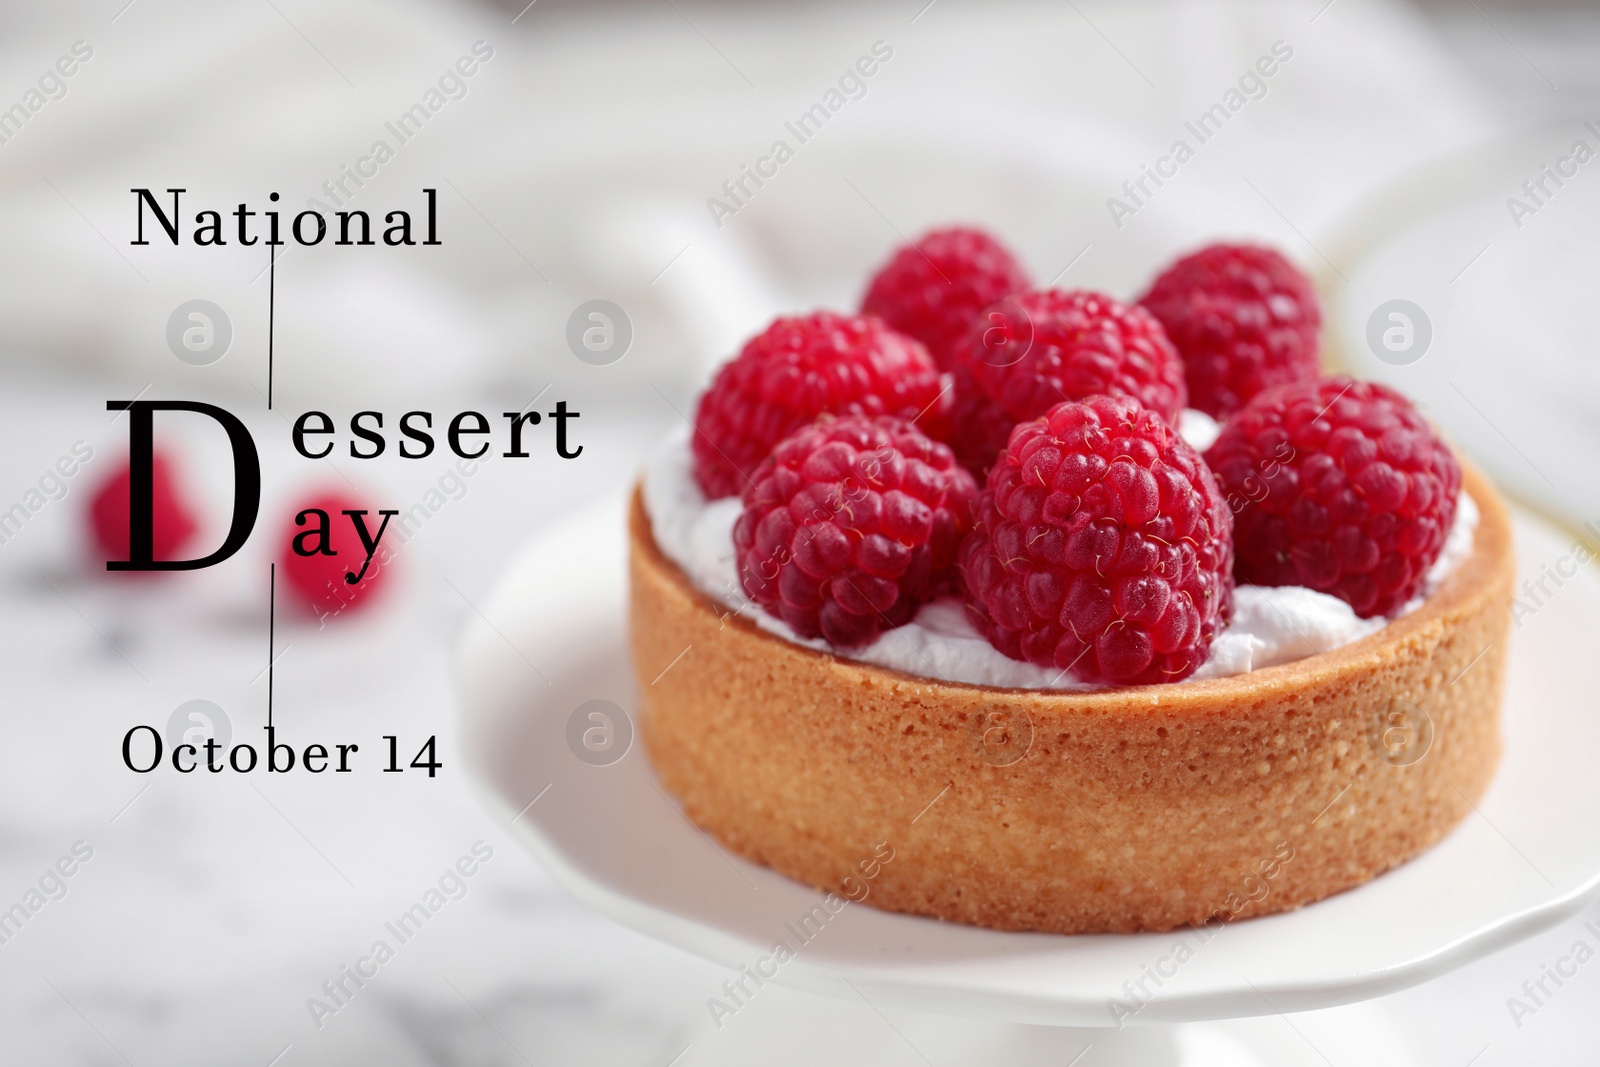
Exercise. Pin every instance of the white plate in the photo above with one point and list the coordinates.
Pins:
(1504, 303)
(553, 638)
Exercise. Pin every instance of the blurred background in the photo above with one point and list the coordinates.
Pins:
(1399, 153)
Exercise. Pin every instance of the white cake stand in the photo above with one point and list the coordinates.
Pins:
(552, 640)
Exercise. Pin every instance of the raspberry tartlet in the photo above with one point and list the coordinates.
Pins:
(1127, 679)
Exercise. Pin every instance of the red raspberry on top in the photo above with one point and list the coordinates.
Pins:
(933, 290)
(1243, 318)
(1101, 546)
(799, 368)
(979, 428)
(172, 521)
(1338, 485)
(1034, 350)
(851, 525)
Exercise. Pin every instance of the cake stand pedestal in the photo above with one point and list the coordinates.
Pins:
(547, 655)
(783, 1027)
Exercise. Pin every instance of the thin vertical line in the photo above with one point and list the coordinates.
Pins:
(272, 283)
(272, 628)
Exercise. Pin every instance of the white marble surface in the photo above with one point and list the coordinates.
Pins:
(212, 909)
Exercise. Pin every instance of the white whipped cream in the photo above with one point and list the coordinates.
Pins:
(1271, 625)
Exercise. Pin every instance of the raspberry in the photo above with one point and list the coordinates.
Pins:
(797, 369)
(933, 290)
(1101, 546)
(851, 525)
(979, 426)
(1338, 485)
(1243, 318)
(1033, 350)
(318, 581)
(172, 522)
